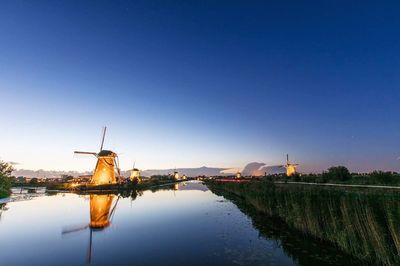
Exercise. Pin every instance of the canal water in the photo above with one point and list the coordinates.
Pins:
(185, 224)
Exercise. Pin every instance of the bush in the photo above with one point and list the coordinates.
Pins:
(34, 181)
(5, 178)
(382, 177)
(337, 173)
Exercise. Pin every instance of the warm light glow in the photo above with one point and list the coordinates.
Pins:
(135, 175)
(176, 175)
(105, 171)
(290, 169)
(73, 185)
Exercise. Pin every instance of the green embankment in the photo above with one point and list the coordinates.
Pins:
(5, 185)
(363, 223)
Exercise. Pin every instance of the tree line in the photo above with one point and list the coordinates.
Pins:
(340, 174)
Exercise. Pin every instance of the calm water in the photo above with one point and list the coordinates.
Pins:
(186, 226)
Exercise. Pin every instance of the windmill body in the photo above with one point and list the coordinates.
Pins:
(176, 175)
(135, 175)
(238, 175)
(104, 172)
(290, 167)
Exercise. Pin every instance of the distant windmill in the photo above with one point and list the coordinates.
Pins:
(176, 174)
(101, 215)
(290, 167)
(238, 174)
(135, 174)
(106, 167)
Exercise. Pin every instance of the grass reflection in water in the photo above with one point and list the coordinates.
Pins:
(362, 223)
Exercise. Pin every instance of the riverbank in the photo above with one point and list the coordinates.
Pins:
(67, 187)
(338, 185)
(361, 222)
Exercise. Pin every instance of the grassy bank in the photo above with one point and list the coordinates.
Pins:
(363, 223)
(5, 186)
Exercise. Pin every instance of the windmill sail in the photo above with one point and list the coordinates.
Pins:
(102, 139)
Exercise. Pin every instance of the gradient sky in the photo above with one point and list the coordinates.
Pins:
(193, 83)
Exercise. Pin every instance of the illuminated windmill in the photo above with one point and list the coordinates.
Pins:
(107, 165)
(101, 215)
(135, 174)
(176, 175)
(290, 167)
(238, 175)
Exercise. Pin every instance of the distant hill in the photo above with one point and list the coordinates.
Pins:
(47, 173)
(191, 172)
(251, 169)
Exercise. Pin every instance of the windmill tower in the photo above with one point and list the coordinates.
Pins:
(238, 174)
(135, 174)
(176, 174)
(106, 167)
(290, 167)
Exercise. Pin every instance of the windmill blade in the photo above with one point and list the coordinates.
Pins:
(117, 166)
(85, 152)
(89, 251)
(111, 216)
(73, 229)
(102, 140)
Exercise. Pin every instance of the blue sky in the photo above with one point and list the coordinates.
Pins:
(193, 83)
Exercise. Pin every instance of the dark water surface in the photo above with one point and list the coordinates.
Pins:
(187, 225)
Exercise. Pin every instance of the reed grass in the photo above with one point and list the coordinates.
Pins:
(364, 223)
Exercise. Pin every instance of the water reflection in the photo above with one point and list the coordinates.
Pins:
(363, 223)
(172, 225)
(101, 215)
(2, 208)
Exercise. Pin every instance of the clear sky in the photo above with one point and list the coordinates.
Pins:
(193, 83)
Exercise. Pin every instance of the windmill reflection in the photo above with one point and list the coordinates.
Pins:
(100, 206)
(101, 214)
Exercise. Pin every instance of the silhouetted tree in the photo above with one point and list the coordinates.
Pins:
(337, 173)
(33, 181)
(382, 177)
(5, 178)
